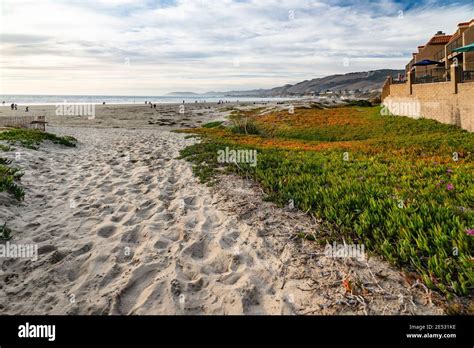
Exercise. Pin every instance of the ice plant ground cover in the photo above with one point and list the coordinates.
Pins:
(402, 187)
(9, 178)
(31, 138)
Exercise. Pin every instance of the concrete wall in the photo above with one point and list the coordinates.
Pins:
(400, 90)
(466, 105)
(437, 101)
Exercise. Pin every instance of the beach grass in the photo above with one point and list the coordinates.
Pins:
(4, 147)
(10, 175)
(402, 187)
(243, 123)
(32, 138)
(5, 232)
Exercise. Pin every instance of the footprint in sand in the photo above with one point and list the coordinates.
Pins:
(84, 249)
(46, 249)
(197, 250)
(106, 231)
(132, 236)
(161, 244)
(192, 202)
(229, 240)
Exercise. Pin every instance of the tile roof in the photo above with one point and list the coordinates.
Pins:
(441, 39)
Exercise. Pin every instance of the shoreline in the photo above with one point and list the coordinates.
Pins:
(187, 101)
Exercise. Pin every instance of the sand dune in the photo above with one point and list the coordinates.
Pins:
(123, 227)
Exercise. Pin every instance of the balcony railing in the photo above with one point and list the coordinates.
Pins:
(467, 75)
(453, 45)
(434, 75)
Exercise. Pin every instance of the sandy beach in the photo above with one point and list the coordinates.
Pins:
(165, 116)
(123, 227)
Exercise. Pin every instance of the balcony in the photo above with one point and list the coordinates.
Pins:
(439, 74)
(467, 76)
(453, 45)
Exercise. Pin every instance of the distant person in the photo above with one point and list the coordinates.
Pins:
(27, 109)
(16, 107)
(103, 103)
(12, 106)
(146, 102)
(151, 105)
(184, 101)
(154, 106)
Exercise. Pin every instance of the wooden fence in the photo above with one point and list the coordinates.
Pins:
(36, 122)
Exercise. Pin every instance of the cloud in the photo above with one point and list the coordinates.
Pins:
(154, 47)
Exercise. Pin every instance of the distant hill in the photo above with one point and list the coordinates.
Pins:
(368, 82)
(365, 82)
(182, 94)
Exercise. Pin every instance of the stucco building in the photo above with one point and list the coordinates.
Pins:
(442, 87)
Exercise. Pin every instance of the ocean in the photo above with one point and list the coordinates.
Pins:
(99, 99)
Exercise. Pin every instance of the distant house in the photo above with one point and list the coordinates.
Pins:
(439, 81)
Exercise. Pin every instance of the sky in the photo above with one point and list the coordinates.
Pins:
(153, 47)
